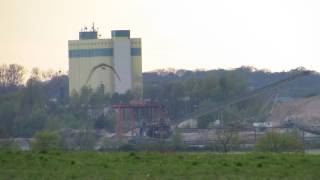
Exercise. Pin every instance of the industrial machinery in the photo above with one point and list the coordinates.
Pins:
(236, 99)
(145, 119)
(158, 125)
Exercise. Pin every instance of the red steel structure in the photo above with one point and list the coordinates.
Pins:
(138, 111)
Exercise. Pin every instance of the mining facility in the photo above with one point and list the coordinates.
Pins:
(114, 64)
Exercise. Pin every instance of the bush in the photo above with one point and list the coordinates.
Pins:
(203, 122)
(280, 142)
(153, 147)
(126, 147)
(86, 140)
(177, 141)
(9, 145)
(105, 122)
(45, 141)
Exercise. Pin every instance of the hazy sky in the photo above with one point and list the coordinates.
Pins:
(191, 34)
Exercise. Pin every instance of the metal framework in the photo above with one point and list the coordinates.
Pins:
(245, 96)
(137, 112)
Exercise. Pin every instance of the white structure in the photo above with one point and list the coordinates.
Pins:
(114, 64)
(262, 124)
(190, 123)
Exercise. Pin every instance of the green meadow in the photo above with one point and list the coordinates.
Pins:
(150, 165)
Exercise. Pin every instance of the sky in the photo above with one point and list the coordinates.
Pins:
(184, 34)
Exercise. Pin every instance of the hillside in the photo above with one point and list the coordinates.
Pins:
(304, 87)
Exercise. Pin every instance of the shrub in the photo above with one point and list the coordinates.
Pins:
(45, 141)
(9, 145)
(86, 140)
(157, 146)
(126, 147)
(280, 142)
(177, 141)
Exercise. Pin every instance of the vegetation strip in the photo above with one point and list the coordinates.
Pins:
(145, 165)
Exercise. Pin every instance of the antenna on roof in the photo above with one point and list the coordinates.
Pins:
(93, 29)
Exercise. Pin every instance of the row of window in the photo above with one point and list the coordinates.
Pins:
(99, 52)
(93, 44)
(88, 35)
(120, 33)
(101, 44)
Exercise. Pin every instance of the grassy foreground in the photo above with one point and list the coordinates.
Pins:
(93, 165)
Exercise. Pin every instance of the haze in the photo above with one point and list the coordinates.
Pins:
(275, 34)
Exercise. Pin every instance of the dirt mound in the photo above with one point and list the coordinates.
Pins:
(301, 112)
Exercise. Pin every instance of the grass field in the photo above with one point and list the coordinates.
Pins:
(93, 165)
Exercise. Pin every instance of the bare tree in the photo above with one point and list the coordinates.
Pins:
(3, 69)
(15, 74)
(36, 74)
(11, 75)
(49, 74)
(227, 138)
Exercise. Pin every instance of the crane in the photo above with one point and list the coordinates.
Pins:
(162, 129)
(234, 100)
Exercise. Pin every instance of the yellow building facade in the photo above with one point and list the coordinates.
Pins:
(114, 64)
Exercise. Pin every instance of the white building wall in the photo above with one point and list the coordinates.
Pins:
(122, 64)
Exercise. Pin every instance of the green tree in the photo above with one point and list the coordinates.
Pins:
(9, 107)
(54, 123)
(204, 121)
(209, 88)
(231, 84)
(98, 99)
(79, 103)
(32, 96)
(106, 122)
(280, 142)
(177, 141)
(45, 141)
(85, 140)
(26, 126)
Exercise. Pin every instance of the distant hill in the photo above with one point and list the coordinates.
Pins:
(303, 87)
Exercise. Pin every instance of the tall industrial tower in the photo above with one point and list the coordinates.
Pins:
(114, 64)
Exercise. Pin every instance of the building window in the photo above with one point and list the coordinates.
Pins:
(77, 53)
(135, 51)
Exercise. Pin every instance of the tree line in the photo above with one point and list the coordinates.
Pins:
(39, 100)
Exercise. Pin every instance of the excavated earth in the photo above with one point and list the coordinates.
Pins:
(303, 113)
